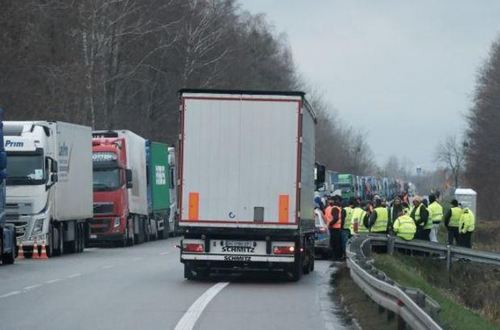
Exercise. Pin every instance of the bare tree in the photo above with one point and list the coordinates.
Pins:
(451, 154)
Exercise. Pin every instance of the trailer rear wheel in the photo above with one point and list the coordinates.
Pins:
(296, 269)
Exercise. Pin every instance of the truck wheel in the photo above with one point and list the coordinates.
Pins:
(9, 258)
(188, 274)
(296, 271)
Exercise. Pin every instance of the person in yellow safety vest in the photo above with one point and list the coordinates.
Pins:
(452, 221)
(346, 226)
(379, 219)
(357, 219)
(465, 228)
(420, 215)
(436, 216)
(404, 226)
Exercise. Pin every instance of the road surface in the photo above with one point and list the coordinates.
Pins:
(143, 288)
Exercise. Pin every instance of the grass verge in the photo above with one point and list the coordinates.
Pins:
(463, 287)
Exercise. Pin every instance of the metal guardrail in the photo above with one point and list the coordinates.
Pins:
(411, 305)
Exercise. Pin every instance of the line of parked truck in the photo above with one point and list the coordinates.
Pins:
(346, 185)
(67, 187)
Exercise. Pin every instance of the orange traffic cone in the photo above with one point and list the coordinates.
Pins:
(35, 251)
(20, 251)
(43, 254)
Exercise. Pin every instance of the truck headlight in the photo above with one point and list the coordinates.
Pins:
(37, 227)
(116, 224)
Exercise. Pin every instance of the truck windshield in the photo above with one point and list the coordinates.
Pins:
(25, 169)
(107, 179)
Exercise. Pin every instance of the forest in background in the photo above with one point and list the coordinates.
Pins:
(115, 64)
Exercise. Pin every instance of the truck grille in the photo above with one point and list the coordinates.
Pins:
(98, 226)
(21, 228)
(19, 208)
(103, 208)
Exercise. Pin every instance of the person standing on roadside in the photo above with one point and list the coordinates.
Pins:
(346, 226)
(420, 215)
(452, 221)
(395, 210)
(465, 228)
(335, 227)
(436, 215)
(379, 219)
(404, 226)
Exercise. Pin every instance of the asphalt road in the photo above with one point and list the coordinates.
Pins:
(142, 287)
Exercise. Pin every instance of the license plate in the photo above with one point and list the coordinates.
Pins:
(93, 236)
(238, 246)
(240, 243)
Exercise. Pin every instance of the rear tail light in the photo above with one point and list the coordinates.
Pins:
(193, 247)
(283, 250)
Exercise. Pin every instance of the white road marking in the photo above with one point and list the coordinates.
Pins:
(137, 258)
(192, 315)
(31, 287)
(13, 293)
(53, 281)
(107, 266)
(163, 253)
(74, 275)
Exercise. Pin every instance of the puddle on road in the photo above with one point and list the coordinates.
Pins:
(333, 312)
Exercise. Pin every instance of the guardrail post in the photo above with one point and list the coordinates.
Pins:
(390, 245)
(448, 258)
(401, 323)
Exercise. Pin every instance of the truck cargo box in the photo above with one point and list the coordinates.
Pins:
(73, 191)
(246, 160)
(158, 176)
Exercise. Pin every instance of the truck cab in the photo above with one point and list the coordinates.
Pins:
(32, 171)
(111, 180)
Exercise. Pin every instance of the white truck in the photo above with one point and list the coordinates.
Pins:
(246, 182)
(49, 184)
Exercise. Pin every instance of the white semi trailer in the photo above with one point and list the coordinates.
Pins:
(49, 183)
(246, 178)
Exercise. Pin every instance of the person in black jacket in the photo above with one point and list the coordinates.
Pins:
(420, 215)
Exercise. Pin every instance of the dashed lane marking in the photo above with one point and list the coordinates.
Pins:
(13, 293)
(74, 275)
(163, 253)
(31, 287)
(192, 315)
(53, 281)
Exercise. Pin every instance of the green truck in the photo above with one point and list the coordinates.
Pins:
(161, 189)
(346, 186)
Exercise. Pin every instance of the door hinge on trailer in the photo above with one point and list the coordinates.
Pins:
(300, 139)
(180, 137)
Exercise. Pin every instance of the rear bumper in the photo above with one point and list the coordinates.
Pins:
(233, 258)
(237, 266)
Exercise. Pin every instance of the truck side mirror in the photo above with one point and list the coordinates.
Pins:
(128, 175)
(54, 177)
(53, 166)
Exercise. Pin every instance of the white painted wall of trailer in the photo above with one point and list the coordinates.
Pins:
(240, 154)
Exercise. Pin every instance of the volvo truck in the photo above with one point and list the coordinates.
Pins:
(49, 184)
(246, 182)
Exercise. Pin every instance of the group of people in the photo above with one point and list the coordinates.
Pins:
(421, 220)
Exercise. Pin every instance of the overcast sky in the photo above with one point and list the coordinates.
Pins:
(403, 71)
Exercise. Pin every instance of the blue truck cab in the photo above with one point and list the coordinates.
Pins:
(7, 231)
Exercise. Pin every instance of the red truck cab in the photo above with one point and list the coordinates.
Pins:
(111, 180)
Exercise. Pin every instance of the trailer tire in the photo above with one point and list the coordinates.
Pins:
(296, 269)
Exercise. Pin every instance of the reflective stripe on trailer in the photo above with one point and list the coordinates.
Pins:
(252, 258)
(187, 223)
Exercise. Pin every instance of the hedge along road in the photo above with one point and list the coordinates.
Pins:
(143, 288)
